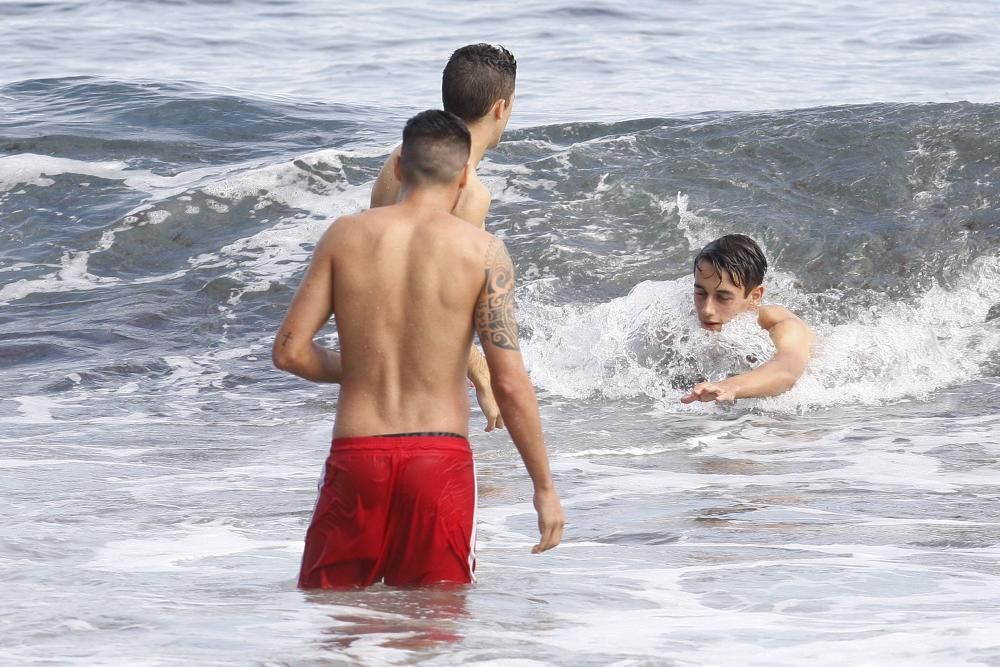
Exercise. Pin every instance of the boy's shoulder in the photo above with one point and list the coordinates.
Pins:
(792, 333)
(768, 316)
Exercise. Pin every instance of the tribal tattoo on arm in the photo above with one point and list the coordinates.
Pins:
(495, 319)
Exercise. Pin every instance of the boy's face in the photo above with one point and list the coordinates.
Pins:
(718, 300)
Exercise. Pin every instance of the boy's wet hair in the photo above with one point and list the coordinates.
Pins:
(475, 77)
(436, 146)
(739, 257)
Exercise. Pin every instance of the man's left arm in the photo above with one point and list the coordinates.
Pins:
(472, 207)
(793, 346)
(294, 349)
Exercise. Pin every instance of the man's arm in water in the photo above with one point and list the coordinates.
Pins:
(497, 329)
(294, 349)
(472, 206)
(793, 345)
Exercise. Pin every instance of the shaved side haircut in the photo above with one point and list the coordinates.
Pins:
(436, 146)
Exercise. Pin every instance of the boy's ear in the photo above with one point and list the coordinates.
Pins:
(397, 168)
(756, 294)
(464, 178)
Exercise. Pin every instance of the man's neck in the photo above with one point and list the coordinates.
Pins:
(481, 133)
(430, 198)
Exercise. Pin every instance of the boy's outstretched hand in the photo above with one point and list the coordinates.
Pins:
(706, 392)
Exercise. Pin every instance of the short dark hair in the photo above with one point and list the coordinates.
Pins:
(475, 77)
(739, 256)
(436, 146)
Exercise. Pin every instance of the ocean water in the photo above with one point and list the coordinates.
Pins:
(166, 166)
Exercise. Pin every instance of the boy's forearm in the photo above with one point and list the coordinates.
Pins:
(761, 382)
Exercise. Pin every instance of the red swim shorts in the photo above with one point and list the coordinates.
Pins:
(396, 508)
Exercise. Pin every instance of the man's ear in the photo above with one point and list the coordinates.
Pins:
(397, 168)
(499, 108)
(756, 294)
(464, 177)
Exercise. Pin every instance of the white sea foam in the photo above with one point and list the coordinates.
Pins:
(71, 276)
(35, 409)
(39, 170)
(30, 169)
(697, 229)
(178, 552)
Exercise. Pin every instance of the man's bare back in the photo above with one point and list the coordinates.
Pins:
(405, 283)
(471, 206)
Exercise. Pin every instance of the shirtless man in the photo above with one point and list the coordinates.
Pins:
(477, 86)
(406, 284)
(728, 277)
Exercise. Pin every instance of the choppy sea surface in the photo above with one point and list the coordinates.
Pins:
(166, 166)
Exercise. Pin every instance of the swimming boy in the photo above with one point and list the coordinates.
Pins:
(406, 284)
(477, 86)
(728, 277)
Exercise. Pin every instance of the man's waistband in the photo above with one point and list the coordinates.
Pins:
(440, 440)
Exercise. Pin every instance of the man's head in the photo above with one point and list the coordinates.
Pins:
(435, 151)
(728, 277)
(478, 86)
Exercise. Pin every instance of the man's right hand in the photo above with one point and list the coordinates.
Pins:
(551, 520)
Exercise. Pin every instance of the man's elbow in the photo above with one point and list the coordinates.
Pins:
(283, 358)
(510, 388)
